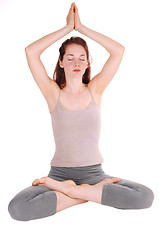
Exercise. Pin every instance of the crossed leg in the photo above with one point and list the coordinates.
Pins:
(48, 196)
(64, 201)
(124, 194)
(36, 202)
(44, 199)
(83, 192)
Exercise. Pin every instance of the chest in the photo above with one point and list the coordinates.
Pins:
(79, 102)
(73, 103)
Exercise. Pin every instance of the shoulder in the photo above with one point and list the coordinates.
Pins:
(92, 85)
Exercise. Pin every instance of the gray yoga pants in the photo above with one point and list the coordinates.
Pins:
(37, 201)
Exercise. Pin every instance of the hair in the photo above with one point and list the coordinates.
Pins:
(59, 74)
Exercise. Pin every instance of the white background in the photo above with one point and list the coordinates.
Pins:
(129, 135)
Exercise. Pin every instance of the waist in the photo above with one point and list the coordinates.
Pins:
(76, 159)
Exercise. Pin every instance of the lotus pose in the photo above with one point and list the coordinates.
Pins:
(76, 175)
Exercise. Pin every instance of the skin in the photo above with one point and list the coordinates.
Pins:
(75, 58)
(84, 191)
(68, 193)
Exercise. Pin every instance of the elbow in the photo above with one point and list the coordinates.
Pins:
(122, 49)
(27, 50)
(30, 51)
(119, 51)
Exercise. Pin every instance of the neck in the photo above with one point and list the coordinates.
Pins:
(74, 87)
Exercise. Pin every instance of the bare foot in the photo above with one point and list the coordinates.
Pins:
(108, 181)
(104, 181)
(64, 187)
(39, 181)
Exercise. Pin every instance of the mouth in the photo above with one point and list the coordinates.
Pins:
(76, 70)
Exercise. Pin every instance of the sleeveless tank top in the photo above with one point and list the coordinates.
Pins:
(76, 134)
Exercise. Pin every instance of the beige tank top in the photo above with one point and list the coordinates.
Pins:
(76, 135)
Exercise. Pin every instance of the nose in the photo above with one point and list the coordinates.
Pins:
(76, 62)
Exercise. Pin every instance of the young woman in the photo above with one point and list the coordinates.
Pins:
(76, 175)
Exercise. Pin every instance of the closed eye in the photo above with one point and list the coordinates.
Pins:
(80, 60)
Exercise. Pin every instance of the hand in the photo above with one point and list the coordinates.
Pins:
(70, 17)
(77, 22)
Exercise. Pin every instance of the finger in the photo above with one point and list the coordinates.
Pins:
(73, 5)
(76, 9)
(71, 8)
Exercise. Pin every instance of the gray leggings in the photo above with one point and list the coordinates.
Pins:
(37, 201)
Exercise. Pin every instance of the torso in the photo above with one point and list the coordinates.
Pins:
(72, 102)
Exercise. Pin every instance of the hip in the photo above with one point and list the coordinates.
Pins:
(91, 174)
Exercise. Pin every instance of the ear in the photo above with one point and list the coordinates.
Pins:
(88, 64)
(60, 63)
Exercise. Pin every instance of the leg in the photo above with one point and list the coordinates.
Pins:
(87, 192)
(64, 201)
(69, 188)
(91, 192)
(127, 195)
(123, 194)
(37, 202)
(32, 203)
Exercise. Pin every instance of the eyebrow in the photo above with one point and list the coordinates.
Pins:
(73, 55)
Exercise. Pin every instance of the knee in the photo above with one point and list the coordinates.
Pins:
(146, 197)
(16, 209)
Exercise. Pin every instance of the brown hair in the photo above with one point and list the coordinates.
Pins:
(59, 74)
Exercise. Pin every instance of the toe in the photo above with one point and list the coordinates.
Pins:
(43, 180)
(39, 181)
(35, 182)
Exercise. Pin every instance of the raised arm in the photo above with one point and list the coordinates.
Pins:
(35, 49)
(115, 49)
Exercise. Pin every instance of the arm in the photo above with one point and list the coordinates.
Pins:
(35, 49)
(115, 49)
(33, 52)
(43, 43)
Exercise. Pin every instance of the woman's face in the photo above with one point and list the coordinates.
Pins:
(74, 58)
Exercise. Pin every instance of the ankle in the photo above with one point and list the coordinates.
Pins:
(69, 188)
